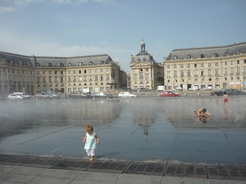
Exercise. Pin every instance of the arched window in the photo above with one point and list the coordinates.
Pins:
(80, 63)
(175, 57)
(91, 63)
(101, 62)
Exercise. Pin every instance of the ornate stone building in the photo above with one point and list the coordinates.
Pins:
(145, 72)
(218, 67)
(31, 74)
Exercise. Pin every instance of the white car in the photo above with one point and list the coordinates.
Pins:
(23, 95)
(126, 95)
(15, 97)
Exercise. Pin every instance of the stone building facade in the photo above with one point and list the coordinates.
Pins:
(31, 74)
(145, 73)
(218, 67)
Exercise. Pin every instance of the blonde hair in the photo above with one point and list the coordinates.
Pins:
(89, 128)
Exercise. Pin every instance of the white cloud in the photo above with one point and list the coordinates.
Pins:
(7, 9)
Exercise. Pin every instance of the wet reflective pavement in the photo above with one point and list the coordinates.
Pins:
(153, 130)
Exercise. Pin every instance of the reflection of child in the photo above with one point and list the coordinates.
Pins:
(91, 139)
(225, 97)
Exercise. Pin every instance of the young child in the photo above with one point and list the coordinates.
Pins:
(202, 112)
(91, 139)
(225, 97)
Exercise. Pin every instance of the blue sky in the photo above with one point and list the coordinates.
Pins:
(116, 27)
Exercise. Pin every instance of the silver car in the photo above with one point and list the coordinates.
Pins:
(15, 97)
(126, 95)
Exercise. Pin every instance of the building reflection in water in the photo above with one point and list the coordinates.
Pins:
(144, 115)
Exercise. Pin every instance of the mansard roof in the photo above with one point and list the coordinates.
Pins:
(207, 52)
(16, 59)
(40, 61)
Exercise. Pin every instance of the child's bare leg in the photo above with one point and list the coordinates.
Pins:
(92, 158)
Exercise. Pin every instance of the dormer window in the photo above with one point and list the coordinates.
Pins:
(61, 65)
(49, 64)
(175, 57)
(91, 63)
(69, 64)
(80, 63)
(101, 62)
(188, 57)
(37, 64)
(216, 55)
(226, 53)
(202, 56)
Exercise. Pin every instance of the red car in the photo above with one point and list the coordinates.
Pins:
(169, 94)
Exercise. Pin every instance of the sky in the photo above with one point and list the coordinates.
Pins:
(67, 28)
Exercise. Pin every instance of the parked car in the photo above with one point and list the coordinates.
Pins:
(55, 95)
(229, 92)
(44, 95)
(23, 95)
(15, 97)
(100, 95)
(169, 93)
(126, 94)
(77, 94)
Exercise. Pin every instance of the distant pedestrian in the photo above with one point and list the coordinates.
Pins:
(91, 139)
(226, 99)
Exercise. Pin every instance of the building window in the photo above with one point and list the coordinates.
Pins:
(238, 70)
(244, 61)
(182, 73)
(80, 63)
(202, 56)
(181, 66)
(168, 66)
(147, 76)
(147, 70)
(175, 73)
(216, 64)
(135, 76)
(188, 73)
(209, 65)
(202, 65)
(195, 65)
(50, 78)
(175, 57)
(188, 66)
(232, 70)
(226, 71)
(188, 57)
(96, 77)
(225, 63)
(101, 70)
(168, 74)
(216, 71)
(231, 62)
(238, 62)
(175, 66)
(141, 76)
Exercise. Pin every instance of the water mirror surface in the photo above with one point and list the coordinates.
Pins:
(142, 129)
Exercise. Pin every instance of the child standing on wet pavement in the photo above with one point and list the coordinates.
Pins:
(91, 139)
(225, 97)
